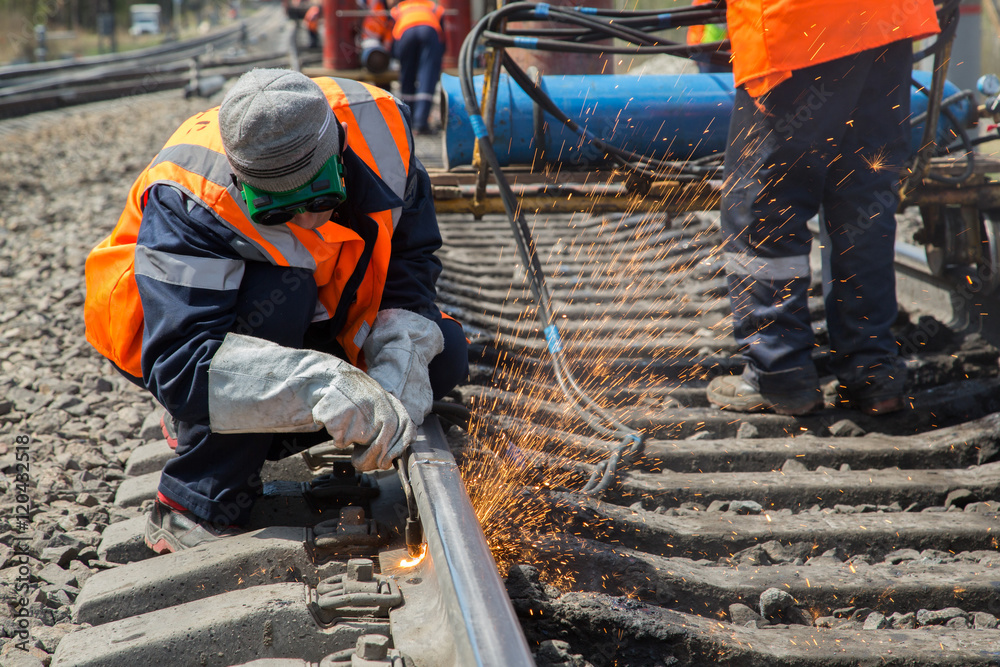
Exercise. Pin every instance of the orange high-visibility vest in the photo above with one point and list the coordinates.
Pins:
(410, 13)
(312, 17)
(377, 25)
(193, 160)
(772, 38)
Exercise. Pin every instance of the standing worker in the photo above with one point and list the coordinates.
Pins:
(311, 19)
(276, 247)
(820, 118)
(419, 36)
(706, 34)
(375, 36)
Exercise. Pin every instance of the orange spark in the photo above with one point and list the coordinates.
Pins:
(876, 162)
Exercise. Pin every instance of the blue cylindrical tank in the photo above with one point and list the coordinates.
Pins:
(674, 116)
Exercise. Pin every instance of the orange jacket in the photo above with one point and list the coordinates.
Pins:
(772, 38)
(194, 160)
(377, 25)
(410, 13)
(312, 17)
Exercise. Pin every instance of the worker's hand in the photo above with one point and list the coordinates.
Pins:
(398, 351)
(357, 411)
(256, 386)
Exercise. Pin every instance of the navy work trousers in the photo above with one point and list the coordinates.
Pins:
(419, 52)
(217, 476)
(833, 137)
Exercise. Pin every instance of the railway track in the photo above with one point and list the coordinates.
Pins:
(319, 589)
(833, 539)
(199, 65)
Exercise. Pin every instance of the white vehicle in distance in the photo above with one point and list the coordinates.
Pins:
(145, 20)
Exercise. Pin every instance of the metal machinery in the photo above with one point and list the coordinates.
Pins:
(622, 142)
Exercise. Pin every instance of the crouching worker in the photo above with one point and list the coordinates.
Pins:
(274, 249)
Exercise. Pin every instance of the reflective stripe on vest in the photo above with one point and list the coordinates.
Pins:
(194, 161)
(385, 157)
(211, 273)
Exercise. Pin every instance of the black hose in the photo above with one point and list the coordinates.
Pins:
(948, 20)
(582, 405)
(539, 96)
(958, 126)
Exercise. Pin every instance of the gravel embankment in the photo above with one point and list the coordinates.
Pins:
(68, 422)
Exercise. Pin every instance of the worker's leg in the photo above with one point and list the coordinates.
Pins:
(451, 367)
(776, 163)
(216, 476)
(407, 51)
(428, 74)
(860, 205)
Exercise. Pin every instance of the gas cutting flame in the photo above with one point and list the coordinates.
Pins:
(412, 562)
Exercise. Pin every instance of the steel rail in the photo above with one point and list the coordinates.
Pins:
(15, 106)
(131, 71)
(26, 89)
(253, 26)
(474, 605)
(170, 51)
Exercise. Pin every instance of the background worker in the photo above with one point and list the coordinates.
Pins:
(821, 117)
(311, 20)
(276, 246)
(375, 35)
(706, 34)
(419, 46)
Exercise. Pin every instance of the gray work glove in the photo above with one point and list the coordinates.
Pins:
(398, 350)
(256, 386)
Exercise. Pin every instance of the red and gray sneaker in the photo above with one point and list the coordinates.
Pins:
(169, 530)
(169, 427)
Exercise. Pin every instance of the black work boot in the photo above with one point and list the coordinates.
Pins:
(871, 402)
(169, 530)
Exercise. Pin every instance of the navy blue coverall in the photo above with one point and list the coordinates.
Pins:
(834, 135)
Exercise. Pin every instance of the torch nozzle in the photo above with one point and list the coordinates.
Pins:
(414, 537)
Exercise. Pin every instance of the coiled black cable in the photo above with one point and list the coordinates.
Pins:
(594, 415)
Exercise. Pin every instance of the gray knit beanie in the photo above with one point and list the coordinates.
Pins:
(277, 129)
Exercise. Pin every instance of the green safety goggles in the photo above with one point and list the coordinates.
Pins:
(323, 193)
